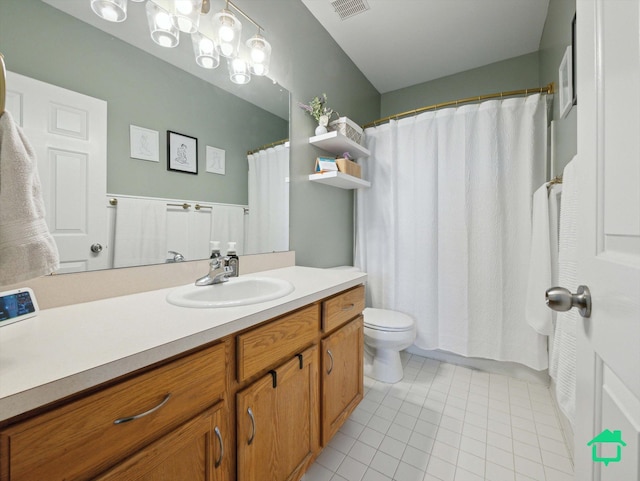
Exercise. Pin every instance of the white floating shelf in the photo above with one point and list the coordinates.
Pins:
(337, 143)
(338, 179)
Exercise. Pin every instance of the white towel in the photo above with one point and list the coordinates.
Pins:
(539, 279)
(27, 249)
(228, 226)
(140, 233)
(563, 353)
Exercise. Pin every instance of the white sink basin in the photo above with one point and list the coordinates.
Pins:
(238, 291)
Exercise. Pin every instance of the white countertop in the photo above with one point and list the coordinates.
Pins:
(65, 350)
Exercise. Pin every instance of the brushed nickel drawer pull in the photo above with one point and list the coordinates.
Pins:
(146, 413)
(330, 357)
(253, 426)
(219, 436)
(349, 307)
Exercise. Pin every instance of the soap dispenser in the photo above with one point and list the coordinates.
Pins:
(215, 249)
(232, 259)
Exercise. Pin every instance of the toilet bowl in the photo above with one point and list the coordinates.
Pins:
(386, 333)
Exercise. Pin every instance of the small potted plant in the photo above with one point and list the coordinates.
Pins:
(318, 109)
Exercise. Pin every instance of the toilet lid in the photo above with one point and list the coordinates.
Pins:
(386, 320)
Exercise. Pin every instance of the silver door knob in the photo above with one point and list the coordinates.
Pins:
(561, 299)
(96, 248)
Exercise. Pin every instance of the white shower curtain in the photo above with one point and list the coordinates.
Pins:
(268, 223)
(444, 231)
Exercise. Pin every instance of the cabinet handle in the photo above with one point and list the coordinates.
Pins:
(349, 307)
(146, 413)
(219, 436)
(330, 357)
(253, 426)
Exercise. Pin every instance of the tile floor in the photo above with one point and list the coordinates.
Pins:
(448, 423)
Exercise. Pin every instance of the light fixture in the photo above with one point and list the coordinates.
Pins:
(111, 10)
(205, 51)
(165, 25)
(163, 31)
(186, 15)
(239, 69)
(259, 54)
(227, 29)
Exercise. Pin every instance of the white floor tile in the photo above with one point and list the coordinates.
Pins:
(385, 464)
(373, 475)
(352, 469)
(448, 423)
(371, 437)
(441, 469)
(406, 472)
(415, 457)
(362, 452)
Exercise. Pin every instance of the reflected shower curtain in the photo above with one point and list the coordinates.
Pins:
(268, 221)
(444, 231)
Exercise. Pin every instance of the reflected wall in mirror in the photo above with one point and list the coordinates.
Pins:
(43, 43)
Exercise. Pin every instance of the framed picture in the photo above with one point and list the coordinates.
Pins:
(215, 160)
(144, 144)
(565, 79)
(182, 153)
(573, 60)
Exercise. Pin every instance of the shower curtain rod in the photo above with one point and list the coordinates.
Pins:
(549, 89)
(266, 146)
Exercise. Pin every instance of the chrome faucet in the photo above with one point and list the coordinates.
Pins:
(177, 257)
(218, 273)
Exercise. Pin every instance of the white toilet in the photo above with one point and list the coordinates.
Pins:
(386, 333)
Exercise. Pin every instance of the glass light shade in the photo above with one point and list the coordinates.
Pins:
(226, 30)
(163, 31)
(186, 15)
(111, 10)
(205, 51)
(259, 55)
(239, 70)
(138, 1)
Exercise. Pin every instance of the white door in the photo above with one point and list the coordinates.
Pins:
(68, 132)
(608, 343)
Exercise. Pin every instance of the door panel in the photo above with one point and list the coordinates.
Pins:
(608, 353)
(68, 132)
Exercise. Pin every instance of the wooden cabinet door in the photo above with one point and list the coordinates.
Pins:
(342, 377)
(277, 421)
(191, 452)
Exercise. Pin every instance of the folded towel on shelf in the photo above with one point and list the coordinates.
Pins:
(538, 315)
(563, 353)
(140, 232)
(27, 249)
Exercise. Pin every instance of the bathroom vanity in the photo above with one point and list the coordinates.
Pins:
(248, 393)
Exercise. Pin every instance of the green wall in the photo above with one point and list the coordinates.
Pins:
(555, 39)
(512, 74)
(308, 62)
(43, 43)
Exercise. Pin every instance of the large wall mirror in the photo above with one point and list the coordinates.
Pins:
(64, 44)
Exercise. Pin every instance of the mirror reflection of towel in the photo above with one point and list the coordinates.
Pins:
(27, 249)
(140, 233)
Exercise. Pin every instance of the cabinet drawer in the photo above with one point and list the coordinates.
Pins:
(263, 347)
(342, 308)
(81, 439)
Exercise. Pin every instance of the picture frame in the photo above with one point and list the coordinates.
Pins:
(565, 80)
(182, 153)
(144, 144)
(215, 160)
(573, 60)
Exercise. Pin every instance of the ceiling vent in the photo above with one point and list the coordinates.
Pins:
(349, 8)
